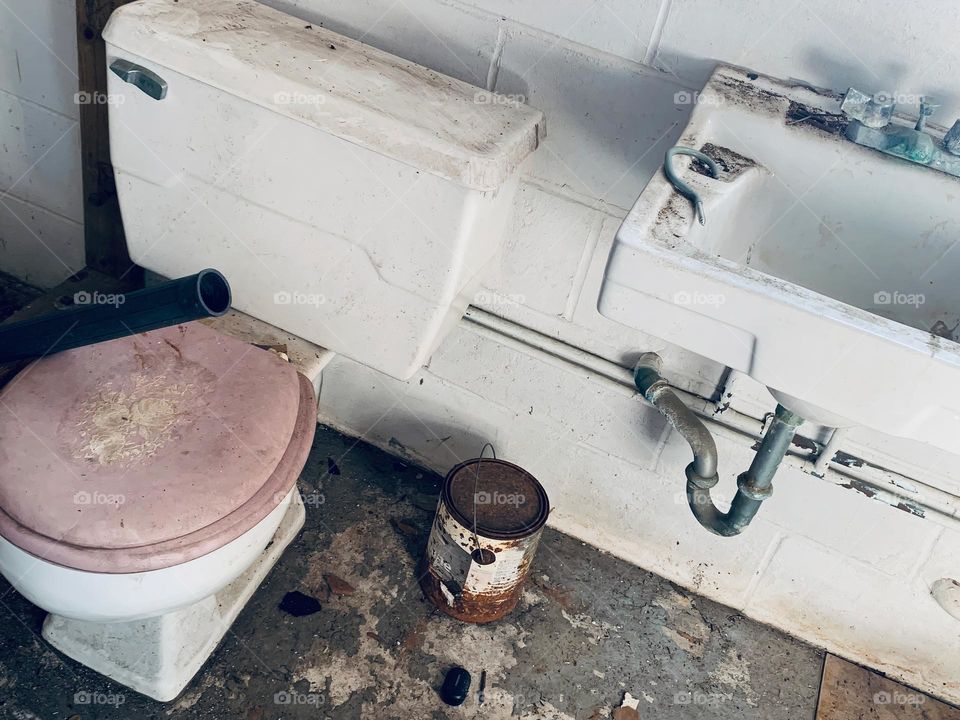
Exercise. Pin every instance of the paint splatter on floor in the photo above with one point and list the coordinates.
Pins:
(590, 628)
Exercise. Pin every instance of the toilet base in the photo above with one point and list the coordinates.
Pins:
(159, 656)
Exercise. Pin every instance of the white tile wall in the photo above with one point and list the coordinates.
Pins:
(40, 159)
(38, 52)
(36, 245)
(549, 241)
(873, 45)
(447, 39)
(891, 541)
(910, 637)
(41, 211)
(620, 27)
(609, 122)
(821, 561)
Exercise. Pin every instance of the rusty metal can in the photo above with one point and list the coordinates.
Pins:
(489, 520)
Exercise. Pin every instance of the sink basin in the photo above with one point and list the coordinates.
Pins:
(827, 271)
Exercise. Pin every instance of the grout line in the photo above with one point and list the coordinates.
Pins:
(41, 106)
(6, 195)
(765, 561)
(560, 41)
(926, 552)
(583, 266)
(564, 192)
(494, 72)
(656, 36)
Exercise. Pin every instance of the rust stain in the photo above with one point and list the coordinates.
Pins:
(731, 163)
(559, 595)
(800, 114)
(414, 639)
(871, 492)
(470, 607)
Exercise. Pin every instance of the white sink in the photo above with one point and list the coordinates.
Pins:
(821, 270)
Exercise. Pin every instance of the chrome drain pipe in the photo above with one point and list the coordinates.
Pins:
(753, 486)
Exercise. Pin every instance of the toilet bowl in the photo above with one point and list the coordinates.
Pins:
(111, 598)
(141, 477)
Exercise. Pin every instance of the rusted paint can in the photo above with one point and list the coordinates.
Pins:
(489, 520)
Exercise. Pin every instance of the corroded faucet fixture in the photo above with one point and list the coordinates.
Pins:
(872, 125)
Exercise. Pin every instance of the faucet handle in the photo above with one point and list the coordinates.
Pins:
(951, 141)
(927, 108)
(874, 111)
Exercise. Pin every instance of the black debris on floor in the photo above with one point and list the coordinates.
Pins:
(591, 630)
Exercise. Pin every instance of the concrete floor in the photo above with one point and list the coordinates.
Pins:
(14, 295)
(590, 628)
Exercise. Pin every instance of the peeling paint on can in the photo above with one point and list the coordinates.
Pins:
(489, 520)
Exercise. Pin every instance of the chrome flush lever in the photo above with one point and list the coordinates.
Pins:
(147, 80)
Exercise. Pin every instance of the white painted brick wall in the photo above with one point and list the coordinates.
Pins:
(445, 38)
(619, 27)
(609, 122)
(604, 113)
(874, 45)
(820, 561)
(548, 244)
(41, 204)
(40, 162)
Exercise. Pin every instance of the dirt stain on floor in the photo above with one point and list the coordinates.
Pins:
(590, 628)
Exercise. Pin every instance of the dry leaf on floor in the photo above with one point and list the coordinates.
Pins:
(338, 586)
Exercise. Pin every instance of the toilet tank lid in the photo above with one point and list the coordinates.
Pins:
(336, 84)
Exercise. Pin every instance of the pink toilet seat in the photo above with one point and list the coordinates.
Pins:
(149, 451)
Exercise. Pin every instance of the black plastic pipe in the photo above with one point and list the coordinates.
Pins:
(753, 486)
(98, 317)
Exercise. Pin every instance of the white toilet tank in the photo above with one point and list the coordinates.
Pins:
(349, 196)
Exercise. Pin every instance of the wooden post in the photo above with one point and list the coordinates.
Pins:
(106, 246)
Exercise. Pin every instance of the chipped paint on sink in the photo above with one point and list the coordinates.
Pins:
(827, 271)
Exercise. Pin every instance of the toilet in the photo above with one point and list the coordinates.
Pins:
(141, 481)
(353, 200)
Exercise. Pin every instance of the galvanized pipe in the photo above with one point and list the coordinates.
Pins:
(874, 480)
(753, 486)
(828, 451)
(658, 393)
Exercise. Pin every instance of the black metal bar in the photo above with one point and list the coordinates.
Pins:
(97, 318)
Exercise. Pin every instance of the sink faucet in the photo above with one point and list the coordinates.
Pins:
(871, 126)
